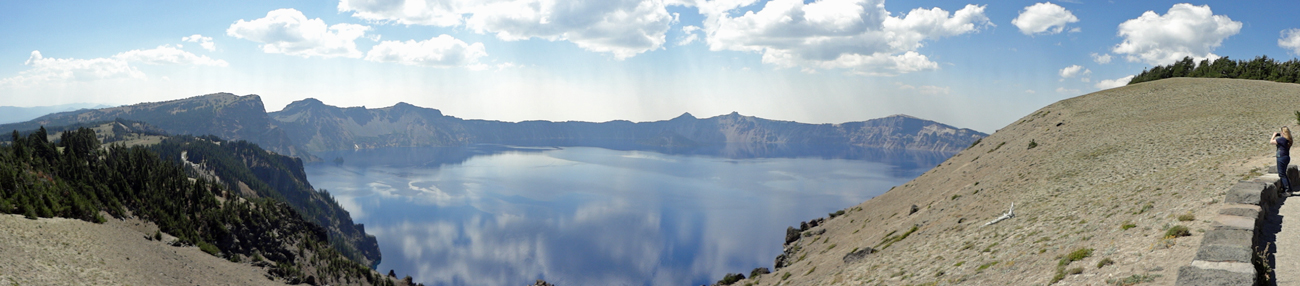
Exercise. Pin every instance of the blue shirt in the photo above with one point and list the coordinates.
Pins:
(1283, 147)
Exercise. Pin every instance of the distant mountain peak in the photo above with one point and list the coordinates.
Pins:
(685, 115)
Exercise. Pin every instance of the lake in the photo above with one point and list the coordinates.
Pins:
(498, 215)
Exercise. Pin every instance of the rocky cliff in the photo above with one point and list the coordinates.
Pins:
(319, 127)
(222, 114)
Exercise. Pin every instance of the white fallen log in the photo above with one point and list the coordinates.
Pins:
(1010, 214)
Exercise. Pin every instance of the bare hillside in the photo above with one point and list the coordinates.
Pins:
(1078, 171)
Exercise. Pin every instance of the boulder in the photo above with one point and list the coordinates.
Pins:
(913, 210)
(858, 255)
(759, 271)
(791, 235)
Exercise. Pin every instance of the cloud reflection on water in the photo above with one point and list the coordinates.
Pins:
(589, 216)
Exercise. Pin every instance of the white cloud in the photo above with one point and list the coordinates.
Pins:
(924, 89)
(623, 28)
(1044, 18)
(690, 35)
(1030, 91)
(288, 31)
(827, 34)
(1067, 90)
(1184, 31)
(441, 51)
(1073, 71)
(1290, 40)
(168, 55)
(1113, 83)
(205, 42)
(1101, 58)
(54, 69)
(118, 66)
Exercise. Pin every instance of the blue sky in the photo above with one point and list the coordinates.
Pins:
(971, 64)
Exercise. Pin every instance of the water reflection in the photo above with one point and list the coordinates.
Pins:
(494, 215)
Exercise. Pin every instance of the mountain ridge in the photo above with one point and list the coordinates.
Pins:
(320, 127)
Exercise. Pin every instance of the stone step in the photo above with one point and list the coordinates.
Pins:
(1216, 273)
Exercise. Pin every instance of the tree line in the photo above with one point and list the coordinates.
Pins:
(1260, 68)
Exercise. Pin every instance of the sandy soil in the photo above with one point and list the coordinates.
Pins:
(1144, 155)
(60, 251)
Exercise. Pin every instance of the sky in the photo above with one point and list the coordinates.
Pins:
(972, 64)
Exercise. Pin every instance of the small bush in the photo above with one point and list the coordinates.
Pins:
(157, 235)
(1177, 231)
(758, 271)
(731, 278)
(1127, 225)
(785, 276)
(987, 265)
(1032, 144)
(810, 270)
(1187, 217)
(1074, 271)
(209, 248)
(1076, 255)
(836, 213)
(1104, 262)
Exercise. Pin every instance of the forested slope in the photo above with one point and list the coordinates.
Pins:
(76, 177)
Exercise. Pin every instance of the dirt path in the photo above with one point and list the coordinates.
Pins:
(1287, 257)
(61, 251)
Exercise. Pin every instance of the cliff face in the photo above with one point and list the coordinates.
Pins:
(319, 127)
(225, 115)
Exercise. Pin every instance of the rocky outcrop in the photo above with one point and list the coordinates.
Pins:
(225, 115)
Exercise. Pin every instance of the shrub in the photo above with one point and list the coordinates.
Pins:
(731, 278)
(1074, 271)
(1076, 255)
(1177, 231)
(1032, 144)
(786, 275)
(1104, 262)
(208, 247)
(1127, 225)
(1187, 217)
(157, 235)
(759, 271)
(986, 265)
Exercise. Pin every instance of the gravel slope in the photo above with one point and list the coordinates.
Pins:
(58, 251)
(1142, 154)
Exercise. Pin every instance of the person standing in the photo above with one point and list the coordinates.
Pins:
(1283, 141)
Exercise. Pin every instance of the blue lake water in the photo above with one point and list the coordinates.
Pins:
(491, 215)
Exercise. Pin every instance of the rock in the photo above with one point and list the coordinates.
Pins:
(803, 226)
(855, 256)
(731, 278)
(392, 274)
(791, 235)
(311, 280)
(913, 210)
(814, 223)
(541, 282)
(819, 232)
(780, 261)
(759, 271)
